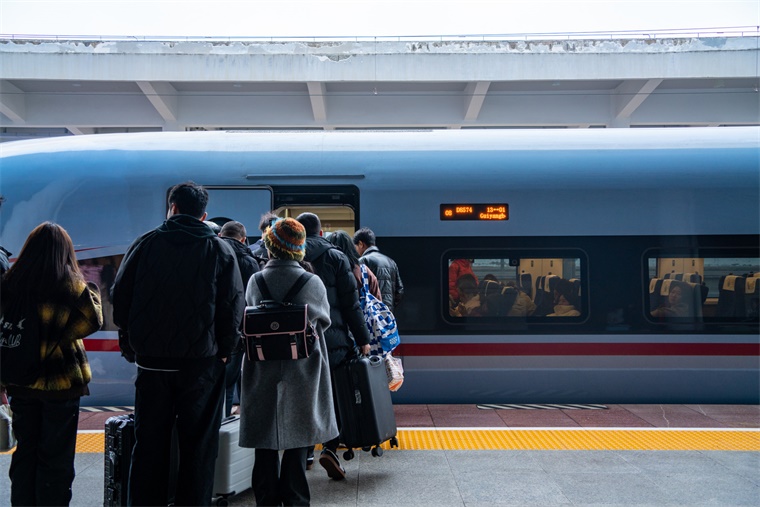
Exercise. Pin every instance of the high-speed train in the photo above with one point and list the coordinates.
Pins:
(621, 216)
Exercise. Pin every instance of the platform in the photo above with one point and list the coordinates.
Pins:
(468, 455)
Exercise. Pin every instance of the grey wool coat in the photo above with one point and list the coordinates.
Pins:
(288, 404)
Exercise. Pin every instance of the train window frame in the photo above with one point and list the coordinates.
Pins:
(710, 303)
(501, 322)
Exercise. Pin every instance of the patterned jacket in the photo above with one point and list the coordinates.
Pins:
(66, 371)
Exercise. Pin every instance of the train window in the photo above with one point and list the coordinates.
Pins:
(512, 285)
(703, 288)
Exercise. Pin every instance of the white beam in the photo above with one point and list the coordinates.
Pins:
(630, 95)
(78, 131)
(163, 96)
(317, 93)
(12, 102)
(474, 95)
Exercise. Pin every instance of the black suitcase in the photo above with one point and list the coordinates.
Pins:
(364, 404)
(120, 439)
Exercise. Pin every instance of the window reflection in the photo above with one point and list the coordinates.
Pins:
(514, 287)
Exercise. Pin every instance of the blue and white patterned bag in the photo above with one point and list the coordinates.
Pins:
(381, 323)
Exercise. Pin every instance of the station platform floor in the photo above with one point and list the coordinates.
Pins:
(470, 455)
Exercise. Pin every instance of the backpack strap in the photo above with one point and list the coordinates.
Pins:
(365, 278)
(295, 289)
(262, 284)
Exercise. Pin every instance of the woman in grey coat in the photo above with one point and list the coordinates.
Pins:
(287, 405)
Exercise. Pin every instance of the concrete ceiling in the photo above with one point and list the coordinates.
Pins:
(68, 87)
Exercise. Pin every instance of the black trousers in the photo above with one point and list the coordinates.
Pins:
(280, 484)
(232, 380)
(191, 398)
(42, 466)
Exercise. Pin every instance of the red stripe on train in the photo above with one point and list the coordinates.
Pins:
(580, 349)
(540, 349)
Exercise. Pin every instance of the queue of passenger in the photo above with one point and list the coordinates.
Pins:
(178, 299)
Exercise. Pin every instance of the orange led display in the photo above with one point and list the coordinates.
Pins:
(486, 212)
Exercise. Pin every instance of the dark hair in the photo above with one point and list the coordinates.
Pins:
(343, 241)
(190, 199)
(496, 299)
(233, 229)
(266, 220)
(567, 289)
(364, 235)
(468, 284)
(310, 222)
(46, 268)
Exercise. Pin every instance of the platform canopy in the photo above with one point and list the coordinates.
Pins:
(98, 85)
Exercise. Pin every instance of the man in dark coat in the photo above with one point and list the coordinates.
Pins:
(178, 300)
(333, 268)
(234, 234)
(384, 267)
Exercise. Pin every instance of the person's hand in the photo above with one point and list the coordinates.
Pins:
(364, 349)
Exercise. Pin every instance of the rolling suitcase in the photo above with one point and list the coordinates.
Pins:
(234, 464)
(120, 438)
(364, 405)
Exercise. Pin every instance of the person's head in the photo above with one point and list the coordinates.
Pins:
(311, 223)
(188, 198)
(675, 295)
(496, 300)
(363, 239)
(564, 292)
(285, 239)
(266, 220)
(46, 264)
(234, 230)
(467, 286)
(345, 244)
(213, 226)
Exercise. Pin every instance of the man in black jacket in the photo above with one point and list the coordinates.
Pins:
(234, 234)
(178, 299)
(385, 268)
(332, 266)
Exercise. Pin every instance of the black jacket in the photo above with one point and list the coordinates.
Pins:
(387, 274)
(178, 295)
(333, 268)
(246, 261)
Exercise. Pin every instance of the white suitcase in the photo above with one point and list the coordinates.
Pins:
(234, 464)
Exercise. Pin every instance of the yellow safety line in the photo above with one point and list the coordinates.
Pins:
(543, 439)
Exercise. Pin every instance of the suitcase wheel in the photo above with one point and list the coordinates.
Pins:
(377, 451)
(222, 502)
(348, 455)
(394, 442)
(367, 449)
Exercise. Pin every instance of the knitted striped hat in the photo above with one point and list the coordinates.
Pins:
(286, 239)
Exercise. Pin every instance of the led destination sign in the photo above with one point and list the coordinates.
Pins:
(487, 212)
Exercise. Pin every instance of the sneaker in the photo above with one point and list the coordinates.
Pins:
(310, 463)
(330, 462)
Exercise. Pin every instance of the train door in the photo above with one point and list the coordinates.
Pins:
(336, 205)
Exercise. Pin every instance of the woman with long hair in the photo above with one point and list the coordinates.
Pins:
(45, 281)
(345, 244)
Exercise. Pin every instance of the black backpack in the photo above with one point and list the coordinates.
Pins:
(278, 330)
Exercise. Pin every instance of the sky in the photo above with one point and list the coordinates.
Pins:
(373, 18)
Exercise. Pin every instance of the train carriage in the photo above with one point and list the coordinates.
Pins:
(622, 217)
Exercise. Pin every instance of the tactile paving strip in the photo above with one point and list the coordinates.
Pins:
(543, 439)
